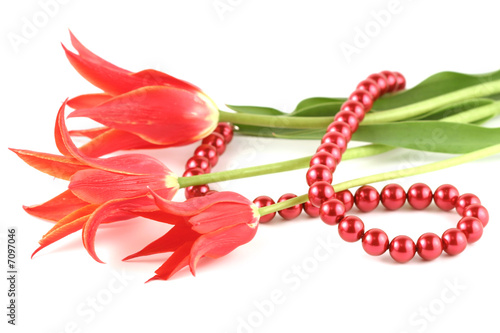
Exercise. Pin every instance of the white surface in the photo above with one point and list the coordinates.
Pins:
(258, 53)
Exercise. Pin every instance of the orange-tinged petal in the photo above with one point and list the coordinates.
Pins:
(169, 242)
(222, 215)
(57, 207)
(179, 259)
(88, 100)
(158, 114)
(55, 165)
(89, 133)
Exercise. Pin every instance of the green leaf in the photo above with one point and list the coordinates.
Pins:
(454, 109)
(256, 110)
(318, 107)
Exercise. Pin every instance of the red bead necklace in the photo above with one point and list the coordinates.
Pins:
(331, 207)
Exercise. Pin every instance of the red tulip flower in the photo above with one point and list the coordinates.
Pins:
(147, 109)
(103, 190)
(210, 226)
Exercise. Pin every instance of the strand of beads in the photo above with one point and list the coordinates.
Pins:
(429, 246)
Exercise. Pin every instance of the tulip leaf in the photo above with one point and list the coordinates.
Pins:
(454, 109)
(318, 107)
(256, 110)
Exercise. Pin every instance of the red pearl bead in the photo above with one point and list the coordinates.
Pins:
(264, 201)
(355, 107)
(199, 162)
(351, 228)
(454, 241)
(402, 249)
(216, 140)
(226, 129)
(446, 196)
(193, 172)
(196, 191)
(332, 211)
(310, 209)
(393, 196)
(332, 149)
(350, 118)
(320, 192)
(209, 152)
(318, 173)
(291, 212)
(419, 196)
(324, 158)
(478, 212)
(364, 97)
(381, 81)
(429, 246)
(400, 80)
(371, 86)
(366, 198)
(471, 227)
(465, 200)
(346, 198)
(335, 138)
(392, 82)
(375, 242)
(342, 128)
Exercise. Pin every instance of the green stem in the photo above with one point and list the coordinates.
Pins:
(478, 154)
(299, 163)
(396, 114)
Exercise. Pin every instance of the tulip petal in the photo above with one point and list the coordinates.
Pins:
(89, 133)
(98, 186)
(114, 140)
(222, 215)
(55, 165)
(127, 164)
(88, 100)
(107, 211)
(220, 242)
(151, 77)
(169, 242)
(158, 114)
(179, 259)
(57, 207)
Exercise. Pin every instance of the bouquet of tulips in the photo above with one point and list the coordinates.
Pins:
(153, 110)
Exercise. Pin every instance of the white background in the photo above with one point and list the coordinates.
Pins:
(257, 52)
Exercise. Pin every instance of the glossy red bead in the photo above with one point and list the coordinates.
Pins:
(196, 191)
(446, 196)
(335, 138)
(324, 158)
(355, 107)
(292, 212)
(226, 129)
(216, 140)
(402, 249)
(429, 246)
(419, 196)
(209, 152)
(342, 128)
(479, 212)
(400, 80)
(393, 196)
(347, 199)
(375, 242)
(471, 227)
(199, 162)
(351, 228)
(318, 173)
(381, 81)
(310, 209)
(332, 149)
(364, 97)
(350, 118)
(193, 172)
(366, 198)
(320, 192)
(454, 241)
(465, 200)
(263, 201)
(392, 82)
(371, 86)
(332, 211)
